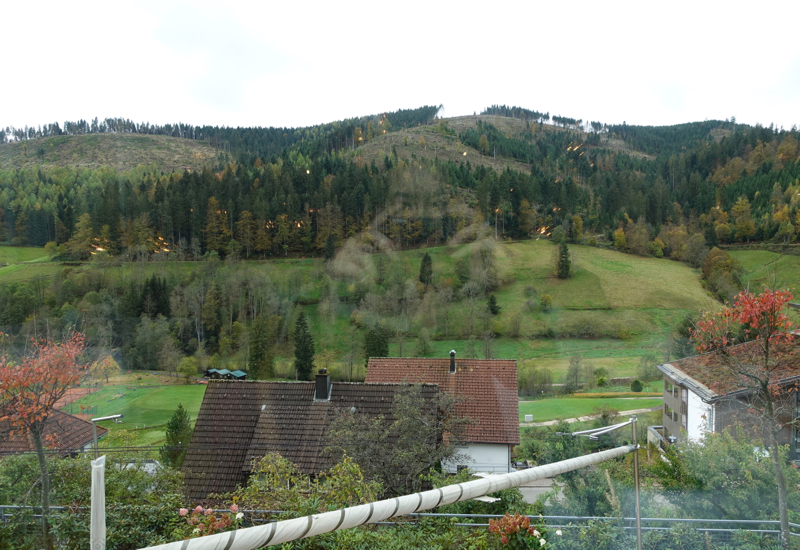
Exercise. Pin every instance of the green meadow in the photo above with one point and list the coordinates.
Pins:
(571, 407)
(769, 268)
(146, 410)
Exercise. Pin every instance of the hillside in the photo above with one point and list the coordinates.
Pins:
(432, 142)
(427, 142)
(119, 151)
(616, 309)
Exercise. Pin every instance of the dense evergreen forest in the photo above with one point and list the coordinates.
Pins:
(673, 191)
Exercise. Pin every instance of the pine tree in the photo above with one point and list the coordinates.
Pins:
(491, 305)
(426, 270)
(303, 349)
(330, 247)
(179, 432)
(2, 226)
(20, 228)
(260, 361)
(376, 343)
(564, 263)
(217, 232)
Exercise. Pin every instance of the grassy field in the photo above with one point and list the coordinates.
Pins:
(763, 267)
(18, 254)
(142, 405)
(626, 305)
(569, 407)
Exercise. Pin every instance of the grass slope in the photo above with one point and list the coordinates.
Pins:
(769, 268)
(143, 406)
(18, 254)
(21, 263)
(610, 293)
(569, 407)
(120, 151)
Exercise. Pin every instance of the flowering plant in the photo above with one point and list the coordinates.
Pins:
(208, 521)
(517, 532)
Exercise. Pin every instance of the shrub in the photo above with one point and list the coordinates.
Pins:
(636, 386)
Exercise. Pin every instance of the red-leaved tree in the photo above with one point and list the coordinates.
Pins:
(29, 390)
(755, 356)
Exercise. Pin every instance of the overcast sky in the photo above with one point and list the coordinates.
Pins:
(292, 63)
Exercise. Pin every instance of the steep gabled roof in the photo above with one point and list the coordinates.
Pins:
(242, 420)
(66, 433)
(707, 374)
(488, 386)
(222, 435)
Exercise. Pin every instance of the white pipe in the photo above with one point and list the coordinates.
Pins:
(308, 526)
(97, 531)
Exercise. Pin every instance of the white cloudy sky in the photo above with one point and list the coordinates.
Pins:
(294, 63)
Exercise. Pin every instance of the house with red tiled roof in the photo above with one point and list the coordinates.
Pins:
(488, 388)
(701, 395)
(64, 433)
(241, 420)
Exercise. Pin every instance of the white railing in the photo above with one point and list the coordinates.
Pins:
(374, 512)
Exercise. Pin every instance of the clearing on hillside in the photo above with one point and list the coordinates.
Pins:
(120, 151)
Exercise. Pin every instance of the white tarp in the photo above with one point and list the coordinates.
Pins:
(98, 530)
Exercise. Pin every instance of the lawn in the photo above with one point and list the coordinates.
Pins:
(571, 407)
(762, 267)
(17, 254)
(143, 406)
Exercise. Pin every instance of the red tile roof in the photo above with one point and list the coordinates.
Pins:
(67, 432)
(489, 387)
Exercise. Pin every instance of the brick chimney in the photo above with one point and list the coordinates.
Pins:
(452, 361)
(322, 391)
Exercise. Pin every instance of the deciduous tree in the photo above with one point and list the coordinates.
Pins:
(752, 343)
(29, 391)
(423, 434)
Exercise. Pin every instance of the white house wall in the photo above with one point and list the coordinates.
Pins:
(484, 457)
(700, 417)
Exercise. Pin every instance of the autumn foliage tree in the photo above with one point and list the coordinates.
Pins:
(29, 390)
(754, 353)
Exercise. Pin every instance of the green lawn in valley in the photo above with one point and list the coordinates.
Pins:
(142, 406)
(17, 254)
(573, 407)
(769, 268)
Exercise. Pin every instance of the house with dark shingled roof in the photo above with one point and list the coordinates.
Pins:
(702, 396)
(67, 434)
(240, 421)
(488, 388)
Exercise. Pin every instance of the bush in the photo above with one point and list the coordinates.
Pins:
(636, 386)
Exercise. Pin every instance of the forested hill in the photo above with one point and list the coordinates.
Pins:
(254, 141)
(407, 175)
